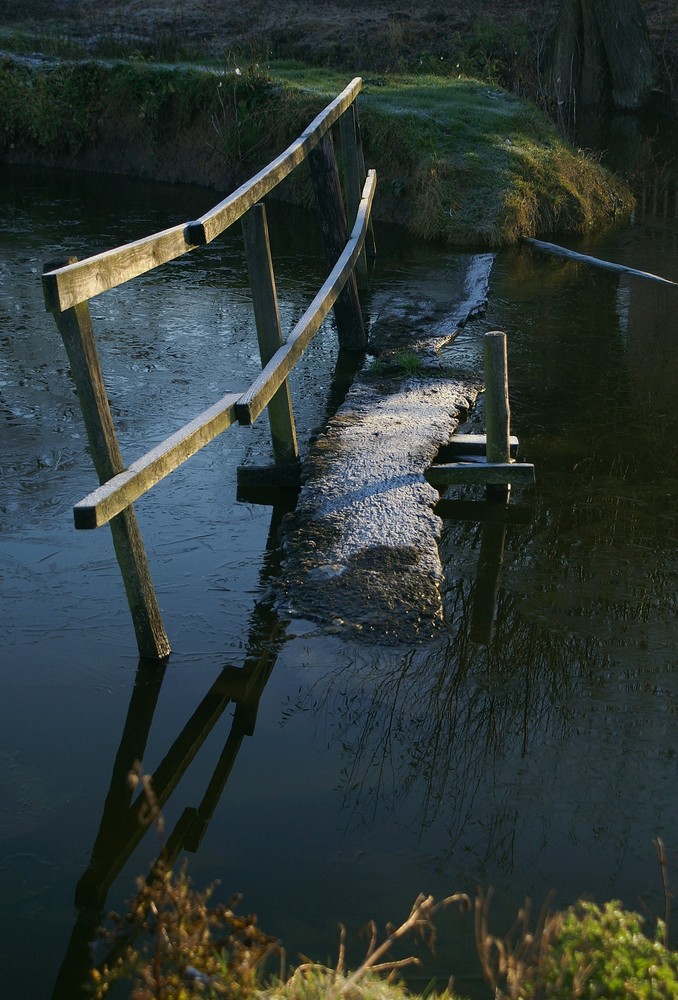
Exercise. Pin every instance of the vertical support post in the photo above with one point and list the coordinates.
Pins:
(327, 187)
(269, 333)
(75, 327)
(370, 242)
(349, 150)
(497, 412)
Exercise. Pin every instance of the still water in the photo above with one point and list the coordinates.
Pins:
(532, 752)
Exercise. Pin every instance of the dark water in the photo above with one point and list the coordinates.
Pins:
(534, 752)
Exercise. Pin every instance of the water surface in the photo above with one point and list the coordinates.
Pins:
(531, 749)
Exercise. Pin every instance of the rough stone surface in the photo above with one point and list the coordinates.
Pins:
(360, 550)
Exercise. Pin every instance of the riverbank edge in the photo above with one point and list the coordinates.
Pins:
(458, 161)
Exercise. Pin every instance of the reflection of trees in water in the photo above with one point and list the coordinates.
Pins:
(599, 559)
(426, 731)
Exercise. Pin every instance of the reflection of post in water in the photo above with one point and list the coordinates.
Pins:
(490, 561)
(124, 822)
(493, 518)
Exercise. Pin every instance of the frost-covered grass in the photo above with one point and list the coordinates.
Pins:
(458, 160)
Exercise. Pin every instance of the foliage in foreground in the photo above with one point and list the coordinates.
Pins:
(583, 953)
(171, 945)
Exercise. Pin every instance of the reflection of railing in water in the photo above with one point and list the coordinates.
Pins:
(69, 284)
(125, 822)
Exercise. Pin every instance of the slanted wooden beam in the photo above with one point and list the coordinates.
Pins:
(228, 211)
(79, 281)
(75, 327)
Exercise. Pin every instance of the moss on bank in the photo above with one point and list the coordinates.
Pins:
(457, 160)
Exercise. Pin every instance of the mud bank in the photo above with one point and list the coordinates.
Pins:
(360, 550)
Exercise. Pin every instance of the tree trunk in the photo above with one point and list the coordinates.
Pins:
(601, 52)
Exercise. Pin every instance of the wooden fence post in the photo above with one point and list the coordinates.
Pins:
(497, 412)
(269, 333)
(370, 242)
(348, 127)
(75, 327)
(327, 187)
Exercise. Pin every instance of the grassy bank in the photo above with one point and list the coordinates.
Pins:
(458, 160)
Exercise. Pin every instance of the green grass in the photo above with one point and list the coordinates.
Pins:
(458, 160)
(465, 162)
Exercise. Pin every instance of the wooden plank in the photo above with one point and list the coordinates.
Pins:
(115, 495)
(480, 474)
(76, 282)
(75, 326)
(283, 361)
(596, 261)
(327, 187)
(232, 208)
(470, 444)
(269, 332)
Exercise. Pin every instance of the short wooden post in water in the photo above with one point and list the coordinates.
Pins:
(75, 327)
(327, 187)
(269, 333)
(497, 411)
(354, 182)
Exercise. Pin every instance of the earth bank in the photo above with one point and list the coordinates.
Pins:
(458, 160)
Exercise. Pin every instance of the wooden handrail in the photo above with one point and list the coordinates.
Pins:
(251, 404)
(67, 286)
(98, 507)
(223, 215)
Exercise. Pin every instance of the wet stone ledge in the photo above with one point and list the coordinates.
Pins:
(360, 551)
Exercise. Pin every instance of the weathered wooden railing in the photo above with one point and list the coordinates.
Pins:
(69, 284)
